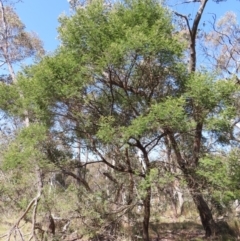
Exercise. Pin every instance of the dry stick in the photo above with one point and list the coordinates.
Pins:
(36, 201)
(18, 221)
(15, 226)
(20, 233)
(34, 219)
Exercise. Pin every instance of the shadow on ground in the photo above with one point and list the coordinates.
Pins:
(178, 231)
(189, 231)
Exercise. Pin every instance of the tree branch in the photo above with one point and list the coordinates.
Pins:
(193, 34)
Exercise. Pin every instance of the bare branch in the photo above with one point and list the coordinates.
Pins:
(186, 19)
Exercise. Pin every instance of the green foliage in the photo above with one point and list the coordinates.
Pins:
(169, 113)
(53, 79)
(208, 95)
(106, 132)
(10, 99)
(24, 150)
(99, 43)
(221, 176)
(147, 182)
(109, 35)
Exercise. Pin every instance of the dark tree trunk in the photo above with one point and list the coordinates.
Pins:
(205, 214)
(204, 211)
(146, 218)
(188, 168)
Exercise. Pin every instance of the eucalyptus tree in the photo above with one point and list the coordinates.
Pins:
(16, 45)
(220, 48)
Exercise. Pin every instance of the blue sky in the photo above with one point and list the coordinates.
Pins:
(41, 16)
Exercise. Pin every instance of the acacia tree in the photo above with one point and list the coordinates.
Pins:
(197, 141)
(90, 84)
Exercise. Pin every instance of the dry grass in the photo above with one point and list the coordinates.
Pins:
(165, 228)
(6, 226)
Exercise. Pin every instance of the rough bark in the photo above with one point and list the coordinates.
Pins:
(188, 168)
(147, 198)
(147, 213)
(205, 213)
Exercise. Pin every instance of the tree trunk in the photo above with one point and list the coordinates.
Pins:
(189, 170)
(204, 211)
(205, 215)
(146, 218)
